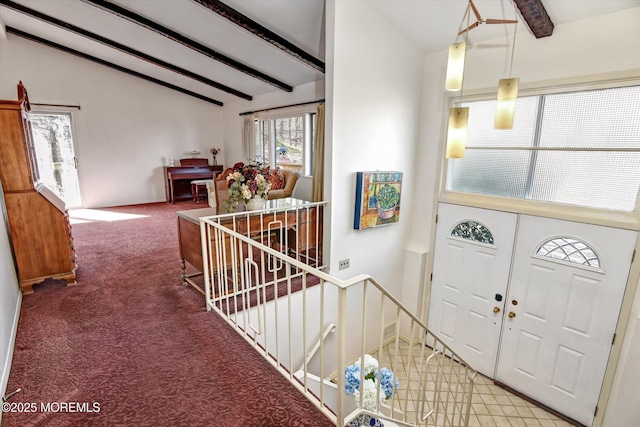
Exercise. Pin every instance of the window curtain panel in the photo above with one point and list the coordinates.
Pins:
(317, 169)
(249, 137)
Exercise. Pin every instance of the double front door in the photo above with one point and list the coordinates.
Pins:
(531, 302)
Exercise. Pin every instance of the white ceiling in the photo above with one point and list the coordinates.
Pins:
(433, 24)
(430, 24)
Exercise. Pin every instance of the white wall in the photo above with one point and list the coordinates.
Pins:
(10, 298)
(373, 110)
(607, 45)
(126, 127)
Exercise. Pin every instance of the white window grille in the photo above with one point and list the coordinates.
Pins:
(474, 231)
(570, 250)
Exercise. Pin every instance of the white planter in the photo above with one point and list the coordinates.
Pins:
(254, 204)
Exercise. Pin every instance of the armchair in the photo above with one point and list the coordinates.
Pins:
(290, 180)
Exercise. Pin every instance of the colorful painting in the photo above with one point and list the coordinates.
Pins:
(377, 199)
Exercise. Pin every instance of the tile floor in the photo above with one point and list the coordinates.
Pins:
(491, 406)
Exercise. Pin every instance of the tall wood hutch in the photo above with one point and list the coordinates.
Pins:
(38, 220)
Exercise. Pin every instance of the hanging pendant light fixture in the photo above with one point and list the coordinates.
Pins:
(458, 116)
(506, 105)
(507, 94)
(455, 66)
(457, 133)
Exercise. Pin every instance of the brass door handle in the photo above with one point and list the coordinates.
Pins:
(496, 309)
(512, 314)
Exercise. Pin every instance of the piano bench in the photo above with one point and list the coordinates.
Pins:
(196, 185)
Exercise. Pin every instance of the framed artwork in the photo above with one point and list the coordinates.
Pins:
(377, 199)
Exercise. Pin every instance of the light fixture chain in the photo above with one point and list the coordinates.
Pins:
(465, 16)
(466, 44)
(513, 45)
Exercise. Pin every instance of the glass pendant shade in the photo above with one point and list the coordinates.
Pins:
(457, 134)
(506, 105)
(455, 66)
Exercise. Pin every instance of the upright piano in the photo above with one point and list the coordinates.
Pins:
(178, 179)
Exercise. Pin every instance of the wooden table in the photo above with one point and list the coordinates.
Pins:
(304, 228)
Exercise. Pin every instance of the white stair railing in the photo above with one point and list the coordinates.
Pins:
(281, 305)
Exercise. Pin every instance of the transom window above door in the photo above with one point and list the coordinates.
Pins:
(577, 148)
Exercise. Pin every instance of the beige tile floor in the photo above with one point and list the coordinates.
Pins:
(491, 406)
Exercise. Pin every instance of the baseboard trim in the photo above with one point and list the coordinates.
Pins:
(6, 368)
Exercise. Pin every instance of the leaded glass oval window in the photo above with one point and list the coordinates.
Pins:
(472, 230)
(570, 250)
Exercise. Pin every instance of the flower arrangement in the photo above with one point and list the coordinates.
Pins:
(247, 181)
(215, 151)
(370, 389)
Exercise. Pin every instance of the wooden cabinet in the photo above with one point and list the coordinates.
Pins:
(40, 229)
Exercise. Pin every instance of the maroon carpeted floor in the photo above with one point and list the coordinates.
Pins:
(131, 339)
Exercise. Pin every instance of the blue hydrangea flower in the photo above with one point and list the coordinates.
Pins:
(352, 379)
(386, 382)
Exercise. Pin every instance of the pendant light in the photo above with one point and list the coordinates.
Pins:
(507, 94)
(457, 133)
(458, 116)
(455, 66)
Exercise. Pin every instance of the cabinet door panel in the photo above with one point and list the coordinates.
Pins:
(16, 170)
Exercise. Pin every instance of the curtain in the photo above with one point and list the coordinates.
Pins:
(248, 137)
(317, 169)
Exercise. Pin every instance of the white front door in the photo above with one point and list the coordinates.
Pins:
(470, 274)
(564, 300)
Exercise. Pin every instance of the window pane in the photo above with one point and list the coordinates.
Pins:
(481, 117)
(493, 172)
(606, 180)
(595, 118)
(262, 141)
(289, 141)
(56, 155)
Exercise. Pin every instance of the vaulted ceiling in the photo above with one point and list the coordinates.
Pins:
(237, 49)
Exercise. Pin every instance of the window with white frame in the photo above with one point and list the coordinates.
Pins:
(287, 141)
(578, 148)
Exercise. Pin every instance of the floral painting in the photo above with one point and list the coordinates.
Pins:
(377, 199)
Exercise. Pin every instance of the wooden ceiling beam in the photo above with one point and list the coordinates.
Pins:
(118, 46)
(15, 31)
(536, 17)
(187, 42)
(262, 32)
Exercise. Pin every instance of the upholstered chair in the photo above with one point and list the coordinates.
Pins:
(290, 180)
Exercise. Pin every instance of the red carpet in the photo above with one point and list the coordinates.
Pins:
(132, 340)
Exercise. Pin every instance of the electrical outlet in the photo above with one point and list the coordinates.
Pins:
(342, 264)
(390, 329)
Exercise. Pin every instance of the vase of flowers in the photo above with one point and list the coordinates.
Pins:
(248, 184)
(214, 152)
(372, 375)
